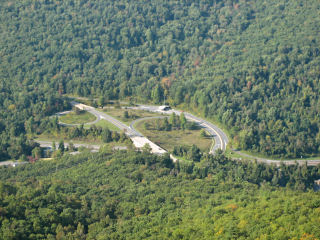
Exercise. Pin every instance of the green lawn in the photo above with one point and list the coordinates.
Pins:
(73, 118)
(169, 139)
(105, 124)
(118, 113)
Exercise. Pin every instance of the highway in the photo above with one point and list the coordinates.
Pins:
(221, 139)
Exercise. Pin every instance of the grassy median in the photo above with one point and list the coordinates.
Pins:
(77, 118)
(132, 114)
(169, 139)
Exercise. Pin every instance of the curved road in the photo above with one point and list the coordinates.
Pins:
(221, 139)
(102, 115)
(98, 118)
(137, 138)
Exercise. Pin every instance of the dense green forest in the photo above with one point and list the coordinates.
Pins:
(138, 195)
(252, 65)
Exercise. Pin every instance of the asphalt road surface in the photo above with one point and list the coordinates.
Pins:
(137, 138)
(48, 144)
(12, 163)
(102, 115)
(313, 162)
(77, 124)
(220, 138)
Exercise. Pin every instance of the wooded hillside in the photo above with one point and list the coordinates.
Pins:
(141, 196)
(252, 65)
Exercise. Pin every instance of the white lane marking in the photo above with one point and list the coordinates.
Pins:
(216, 134)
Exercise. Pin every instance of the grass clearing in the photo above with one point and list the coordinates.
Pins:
(133, 114)
(232, 154)
(73, 118)
(105, 124)
(169, 139)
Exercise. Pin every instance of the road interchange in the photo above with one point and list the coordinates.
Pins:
(220, 138)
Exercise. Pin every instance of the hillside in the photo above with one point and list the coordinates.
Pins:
(251, 65)
(140, 196)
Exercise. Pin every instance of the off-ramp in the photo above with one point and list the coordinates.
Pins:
(221, 139)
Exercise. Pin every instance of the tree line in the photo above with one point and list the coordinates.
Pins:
(110, 195)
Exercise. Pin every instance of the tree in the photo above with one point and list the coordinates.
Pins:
(146, 148)
(183, 121)
(166, 124)
(101, 101)
(173, 120)
(37, 153)
(194, 153)
(203, 133)
(61, 146)
(72, 147)
(126, 114)
(166, 161)
(157, 94)
(106, 135)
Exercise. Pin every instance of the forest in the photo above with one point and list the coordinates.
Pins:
(138, 195)
(253, 66)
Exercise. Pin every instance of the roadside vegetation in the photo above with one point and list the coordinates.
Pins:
(105, 124)
(93, 133)
(96, 135)
(128, 115)
(77, 117)
(174, 131)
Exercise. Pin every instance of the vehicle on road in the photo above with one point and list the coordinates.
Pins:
(164, 108)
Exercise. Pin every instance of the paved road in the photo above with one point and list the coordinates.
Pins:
(137, 138)
(12, 163)
(221, 139)
(48, 144)
(102, 115)
(313, 162)
(77, 124)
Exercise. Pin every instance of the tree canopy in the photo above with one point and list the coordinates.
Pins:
(137, 195)
(252, 65)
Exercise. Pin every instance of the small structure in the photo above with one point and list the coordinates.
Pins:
(164, 108)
